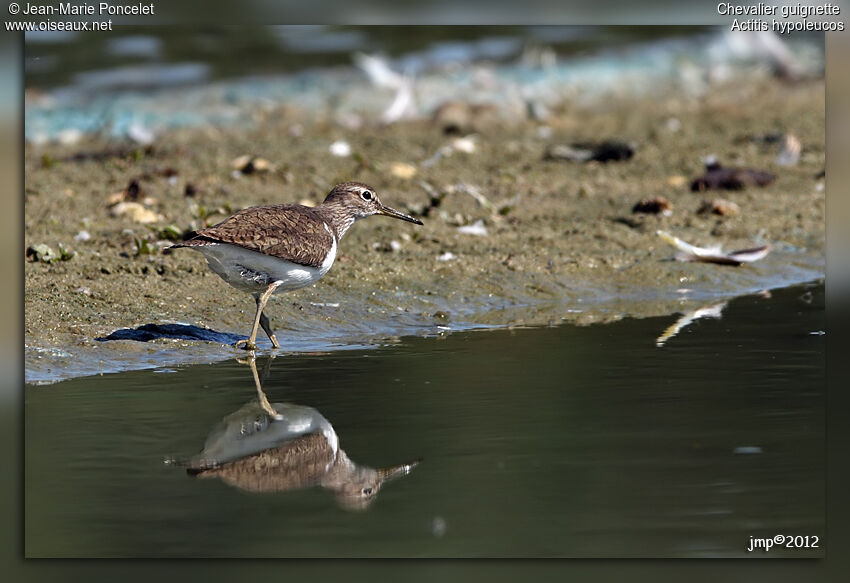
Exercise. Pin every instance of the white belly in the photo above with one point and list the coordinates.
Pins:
(254, 272)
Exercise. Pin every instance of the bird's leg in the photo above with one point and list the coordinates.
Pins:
(267, 368)
(261, 396)
(264, 322)
(250, 344)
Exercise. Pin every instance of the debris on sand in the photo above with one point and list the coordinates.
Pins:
(403, 170)
(391, 247)
(769, 139)
(476, 228)
(719, 206)
(677, 180)
(340, 149)
(673, 124)
(247, 164)
(144, 247)
(717, 177)
(165, 172)
(378, 70)
(764, 47)
(132, 193)
(688, 252)
(136, 212)
(381, 75)
(133, 202)
(69, 136)
(453, 117)
(607, 151)
(657, 205)
(465, 144)
(171, 233)
(473, 192)
(141, 134)
(459, 117)
(108, 154)
(709, 311)
(46, 254)
(435, 199)
(789, 152)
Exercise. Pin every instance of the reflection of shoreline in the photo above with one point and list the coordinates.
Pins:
(265, 447)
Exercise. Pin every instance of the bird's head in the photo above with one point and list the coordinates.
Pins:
(362, 201)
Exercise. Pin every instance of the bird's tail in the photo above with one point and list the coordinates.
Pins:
(187, 243)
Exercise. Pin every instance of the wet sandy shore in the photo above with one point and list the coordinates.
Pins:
(561, 244)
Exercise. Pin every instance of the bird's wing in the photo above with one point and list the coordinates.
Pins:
(290, 232)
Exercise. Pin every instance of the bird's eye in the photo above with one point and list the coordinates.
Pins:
(366, 194)
(367, 490)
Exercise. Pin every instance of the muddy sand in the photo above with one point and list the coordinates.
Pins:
(561, 245)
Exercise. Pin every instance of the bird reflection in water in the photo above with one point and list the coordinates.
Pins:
(265, 447)
(709, 311)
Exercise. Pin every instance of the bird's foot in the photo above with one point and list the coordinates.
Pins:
(246, 344)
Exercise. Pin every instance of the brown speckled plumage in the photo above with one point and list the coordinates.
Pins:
(305, 462)
(267, 249)
(292, 232)
(299, 463)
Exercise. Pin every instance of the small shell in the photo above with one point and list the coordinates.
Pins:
(247, 164)
(131, 192)
(655, 205)
(260, 165)
(340, 148)
(240, 162)
(453, 117)
(465, 145)
(141, 134)
(719, 206)
(677, 180)
(135, 212)
(789, 154)
(476, 228)
(403, 170)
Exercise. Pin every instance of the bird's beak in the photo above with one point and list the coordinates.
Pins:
(391, 212)
(394, 472)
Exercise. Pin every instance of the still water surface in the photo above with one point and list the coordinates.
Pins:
(562, 441)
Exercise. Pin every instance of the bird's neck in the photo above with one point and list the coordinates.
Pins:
(337, 217)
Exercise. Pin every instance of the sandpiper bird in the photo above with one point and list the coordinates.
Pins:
(283, 447)
(267, 249)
